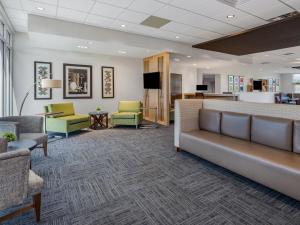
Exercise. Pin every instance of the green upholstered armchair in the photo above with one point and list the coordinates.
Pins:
(67, 121)
(129, 113)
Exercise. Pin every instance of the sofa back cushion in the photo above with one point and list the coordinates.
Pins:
(210, 120)
(236, 125)
(130, 106)
(272, 131)
(296, 137)
(67, 109)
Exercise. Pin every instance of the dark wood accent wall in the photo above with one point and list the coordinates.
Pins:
(272, 36)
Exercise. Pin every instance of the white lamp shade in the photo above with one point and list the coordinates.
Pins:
(48, 83)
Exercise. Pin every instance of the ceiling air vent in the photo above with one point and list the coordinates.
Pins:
(233, 3)
(265, 63)
(155, 22)
(289, 53)
(284, 16)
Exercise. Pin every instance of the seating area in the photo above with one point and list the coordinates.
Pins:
(149, 112)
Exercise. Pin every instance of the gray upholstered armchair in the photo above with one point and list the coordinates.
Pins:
(17, 183)
(26, 127)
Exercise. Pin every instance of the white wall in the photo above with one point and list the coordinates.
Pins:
(286, 81)
(189, 76)
(128, 78)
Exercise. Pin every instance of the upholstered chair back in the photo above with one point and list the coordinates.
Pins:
(3, 145)
(14, 173)
(26, 124)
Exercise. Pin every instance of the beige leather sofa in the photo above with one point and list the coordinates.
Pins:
(258, 141)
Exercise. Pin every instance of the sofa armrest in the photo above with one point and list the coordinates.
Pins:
(10, 127)
(186, 117)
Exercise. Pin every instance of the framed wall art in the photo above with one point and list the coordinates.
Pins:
(77, 81)
(42, 70)
(108, 86)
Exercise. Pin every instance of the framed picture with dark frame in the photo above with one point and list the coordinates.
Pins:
(108, 82)
(42, 70)
(77, 81)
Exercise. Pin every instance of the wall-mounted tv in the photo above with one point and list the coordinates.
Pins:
(152, 80)
(257, 85)
(202, 87)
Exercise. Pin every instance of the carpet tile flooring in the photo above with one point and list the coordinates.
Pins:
(135, 177)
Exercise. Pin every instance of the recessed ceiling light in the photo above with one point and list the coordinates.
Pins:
(189, 56)
(267, 55)
(90, 42)
(123, 25)
(176, 60)
(231, 16)
(40, 8)
(82, 46)
(122, 52)
(177, 37)
(194, 64)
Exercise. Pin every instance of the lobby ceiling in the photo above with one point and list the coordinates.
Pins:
(191, 21)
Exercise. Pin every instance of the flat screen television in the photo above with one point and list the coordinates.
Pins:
(202, 87)
(152, 80)
(257, 85)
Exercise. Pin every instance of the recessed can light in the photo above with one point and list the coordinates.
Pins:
(40, 8)
(122, 52)
(189, 56)
(231, 16)
(123, 25)
(194, 64)
(177, 37)
(82, 46)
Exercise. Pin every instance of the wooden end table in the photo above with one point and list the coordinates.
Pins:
(98, 120)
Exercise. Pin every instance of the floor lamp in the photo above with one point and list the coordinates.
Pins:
(45, 83)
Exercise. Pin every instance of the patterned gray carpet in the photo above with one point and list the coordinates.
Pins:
(128, 176)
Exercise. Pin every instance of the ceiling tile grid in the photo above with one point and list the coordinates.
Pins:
(191, 21)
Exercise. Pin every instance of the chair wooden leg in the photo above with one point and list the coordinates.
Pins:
(37, 206)
(45, 146)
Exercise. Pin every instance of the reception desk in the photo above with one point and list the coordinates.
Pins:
(230, 97)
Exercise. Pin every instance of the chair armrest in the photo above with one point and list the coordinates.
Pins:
(186, 117)
(10, 127)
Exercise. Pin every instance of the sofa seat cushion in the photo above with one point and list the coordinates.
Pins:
(40, 138)
(125, 115)
(269, 155)
(74, 119)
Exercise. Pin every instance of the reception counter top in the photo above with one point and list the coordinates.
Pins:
(261, 97)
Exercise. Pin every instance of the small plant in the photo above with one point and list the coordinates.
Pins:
(98, 109)
(9, 137)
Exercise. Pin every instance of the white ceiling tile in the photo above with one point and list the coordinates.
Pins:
(118, 3)
(131, 16)
(18, 22)
(293, 3)
(17, 14)
(15, 4)
(31, 7)
(146, 6)
(106, 10)
(189, 30)
(81, 5)
(170, 12)
(50, 2)
(265, 9)
(98, 21)
(71, 15)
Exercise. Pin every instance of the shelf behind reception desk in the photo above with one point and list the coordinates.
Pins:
(200, 95)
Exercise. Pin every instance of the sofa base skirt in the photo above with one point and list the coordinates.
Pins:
(277, 177)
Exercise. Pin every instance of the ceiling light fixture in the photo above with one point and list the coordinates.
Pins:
(82, 46)
(194, 64)
(176, 60)
(40, 8)
(177, 37)
(189, 56)
(122, 52)
(231, 16)
(90, 42)
(123, 25)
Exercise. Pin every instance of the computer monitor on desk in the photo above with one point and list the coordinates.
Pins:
(202, 88)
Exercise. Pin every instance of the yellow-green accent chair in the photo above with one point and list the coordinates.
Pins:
(67, 121)
(129, 113)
